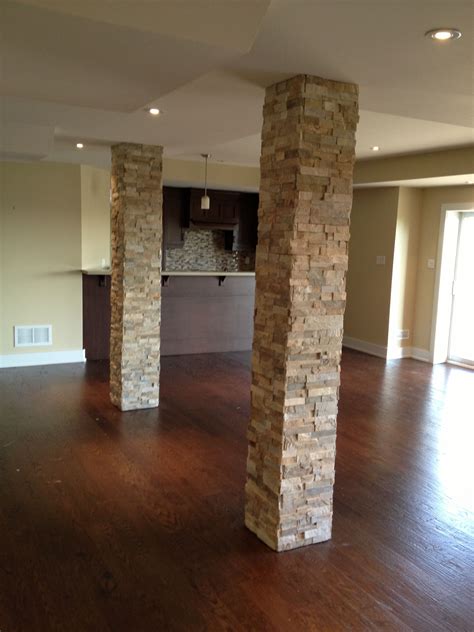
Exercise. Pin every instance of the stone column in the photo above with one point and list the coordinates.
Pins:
(308, 141)
(136, 227)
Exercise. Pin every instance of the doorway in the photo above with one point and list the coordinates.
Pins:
(452, 335)
(461, 335)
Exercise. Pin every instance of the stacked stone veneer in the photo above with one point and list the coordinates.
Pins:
(308, 141)
(203, 249)
(136, 226)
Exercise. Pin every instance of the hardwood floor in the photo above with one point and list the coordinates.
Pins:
(134, 521)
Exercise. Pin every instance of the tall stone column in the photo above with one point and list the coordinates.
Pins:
(308, 141)
(136, 226)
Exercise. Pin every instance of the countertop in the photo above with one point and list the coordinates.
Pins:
(214, 273)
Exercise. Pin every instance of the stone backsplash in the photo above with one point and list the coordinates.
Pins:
(204, 250)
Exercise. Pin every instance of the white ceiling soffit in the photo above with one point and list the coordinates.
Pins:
(193, 122)
(26, 142)
(242, 151)
(401, 135)
(393, 134)
(222, 23)
(378, 44)
(55, 56)
(207, 111)
(424, 183)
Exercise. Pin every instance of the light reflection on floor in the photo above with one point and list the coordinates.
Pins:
(455, 444)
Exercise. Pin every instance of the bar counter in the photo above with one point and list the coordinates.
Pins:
(201, 312)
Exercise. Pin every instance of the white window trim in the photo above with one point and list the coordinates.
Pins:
(438, 334)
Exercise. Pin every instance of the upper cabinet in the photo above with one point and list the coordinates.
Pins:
(246, 235)
(224, 208)
(175, 216)
(231, 211)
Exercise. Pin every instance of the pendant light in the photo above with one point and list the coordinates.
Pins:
(205, 200)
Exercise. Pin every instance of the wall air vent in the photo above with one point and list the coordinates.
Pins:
(33, 335)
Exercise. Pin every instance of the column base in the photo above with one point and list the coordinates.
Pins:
(320, 533)
(126, 407)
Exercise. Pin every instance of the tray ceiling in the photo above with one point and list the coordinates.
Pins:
(85, 70)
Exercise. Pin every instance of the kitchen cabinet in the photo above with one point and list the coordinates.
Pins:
(175, 212)
(224, 208)
(246, 235)
(232, 211)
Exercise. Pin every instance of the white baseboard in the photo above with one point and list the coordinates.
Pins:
(421, 354)
(392, 353)
(41, 358)
(364, 346)
(415, 353)
(396, 353)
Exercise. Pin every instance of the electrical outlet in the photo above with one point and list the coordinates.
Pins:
(430, 264)
(380, 260)
(403, 334)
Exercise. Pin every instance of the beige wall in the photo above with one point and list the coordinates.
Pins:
(402, 223)
(219, 176)
(432, 202)
(405, 263)
(40, 216)
(448, 162)
(95, 212)
(373, 224)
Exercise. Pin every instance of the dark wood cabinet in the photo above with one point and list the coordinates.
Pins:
(96, 316)
(175, 216)
(229, 208)
(246, 235)
(232, 211)
(224, 208)
(199, 215)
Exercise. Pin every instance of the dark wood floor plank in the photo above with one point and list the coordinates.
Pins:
(113, 521)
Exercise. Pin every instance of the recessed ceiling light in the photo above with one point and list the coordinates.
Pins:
(375, 148)
(79, 145)
(153, 111)
(444, 34)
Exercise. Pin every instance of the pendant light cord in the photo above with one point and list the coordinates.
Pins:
(205, 178)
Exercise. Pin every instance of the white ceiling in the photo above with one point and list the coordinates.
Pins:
(86, 69)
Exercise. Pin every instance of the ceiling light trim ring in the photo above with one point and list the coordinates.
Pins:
(444, 34)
